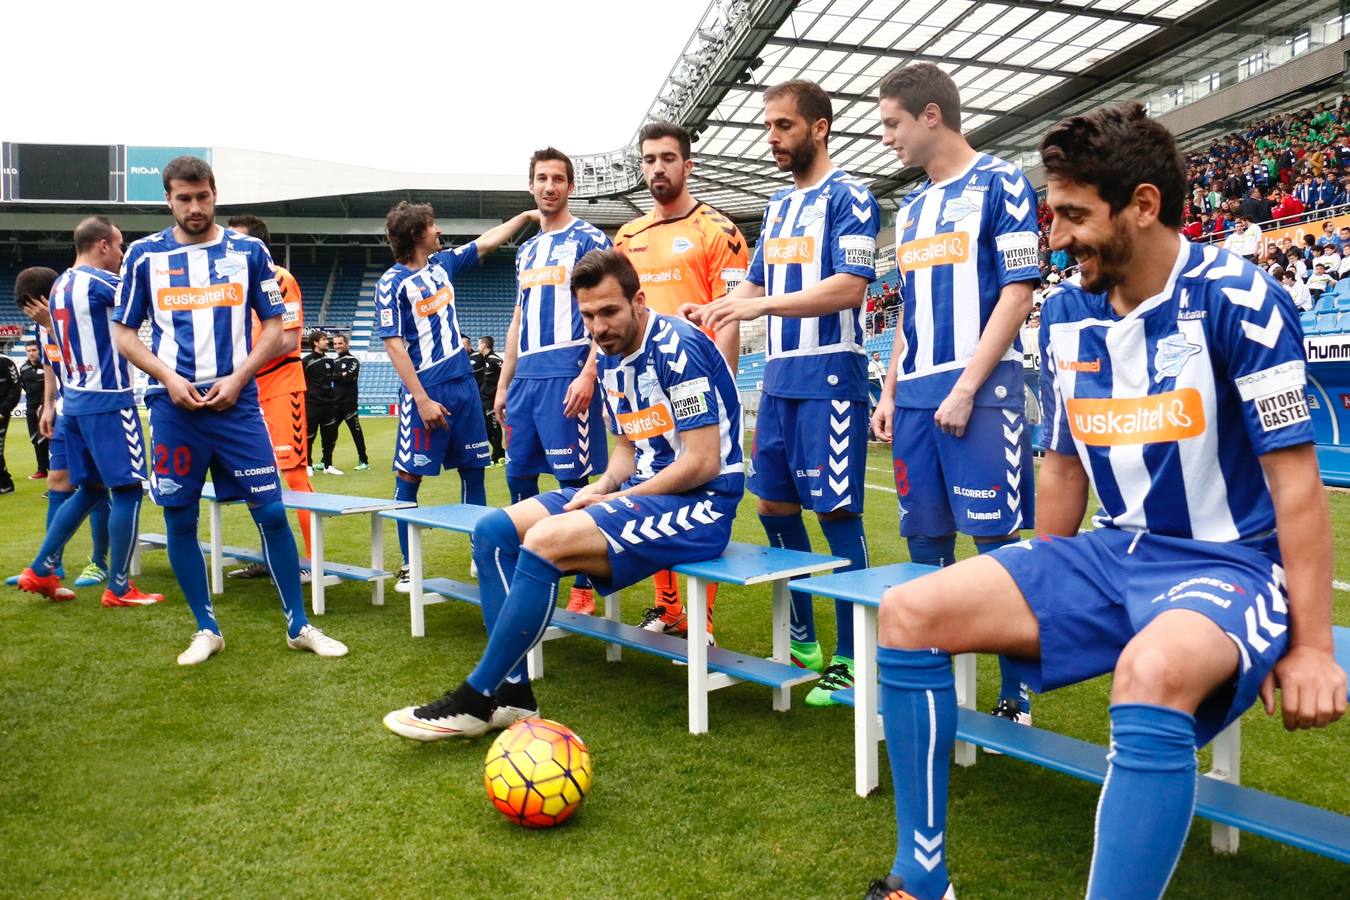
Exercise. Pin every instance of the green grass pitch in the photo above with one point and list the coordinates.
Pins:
(266, 772)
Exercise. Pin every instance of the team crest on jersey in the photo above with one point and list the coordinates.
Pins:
(1171, 356)
(231, 264)
(812, 214)
(681, 245)
(438, 275)
(646, 383)
(567, 250)
(957, 208)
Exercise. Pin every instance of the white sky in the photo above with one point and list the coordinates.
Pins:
(462, 88)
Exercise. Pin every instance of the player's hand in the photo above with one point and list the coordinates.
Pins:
(499, 407)
(1312, 688)
(883, 418)
(183, 394)
(578, 397)
(721, 313)
(224, 393)
(590, 495)
(692, 311)
(433, 414)
(954, 413)
(46, 422)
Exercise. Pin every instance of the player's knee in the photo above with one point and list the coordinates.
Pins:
(495, 530)
(778, 508)
(909, 617)
(408, 477)
(551, 538)
(1148, 673)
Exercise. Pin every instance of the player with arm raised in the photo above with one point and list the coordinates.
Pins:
(440, 419)
(676, 464)
(954, 401)
(1173, 385)
(546, 395)
(686, 254)
(809, 275)
(198, 283)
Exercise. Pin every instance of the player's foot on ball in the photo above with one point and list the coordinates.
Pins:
(512, 703)
(332, 470)
(91, 575)
(362, 466)
(134, 596)
(659, 620)
(892, 887)
(404, 582)
(316, 642)
(461, 713)
(252, 570)
(48, 586)
(837, 676)
(807, 655)
(205, 644)
(581, 601)
(1012, 711)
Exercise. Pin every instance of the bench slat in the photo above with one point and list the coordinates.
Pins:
(345, 571)
(862, 586)
(453, 590)
(746, 564)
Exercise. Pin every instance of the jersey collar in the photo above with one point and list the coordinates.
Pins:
(652, 316)
(1183, 254)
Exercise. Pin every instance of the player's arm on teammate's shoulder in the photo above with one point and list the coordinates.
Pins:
(497, 235)
(433, 414)
(508, 366)
(1311, 684)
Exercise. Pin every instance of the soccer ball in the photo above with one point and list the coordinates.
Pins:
(537, 773)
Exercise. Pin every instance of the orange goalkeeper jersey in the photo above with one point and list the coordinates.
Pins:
(283, 375)
(696, 258)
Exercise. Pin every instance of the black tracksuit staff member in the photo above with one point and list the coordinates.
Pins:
(321, 401)
(347, 376)
(30, 376)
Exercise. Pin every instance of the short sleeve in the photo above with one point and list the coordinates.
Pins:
(292, 316)
(456, 260)
(1015, 232)
(1257, 330)
(388, 314)
(264, 290)
(855, 219)
(686, 372)
(1055, 417)
(755, 274)
(520, 292)
(726, 255)
(132, 291)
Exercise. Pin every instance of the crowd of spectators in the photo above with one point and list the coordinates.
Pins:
(883, 307)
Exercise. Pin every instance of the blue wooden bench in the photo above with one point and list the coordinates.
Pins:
(459, 518)
(1221, 798)
(1334, 461)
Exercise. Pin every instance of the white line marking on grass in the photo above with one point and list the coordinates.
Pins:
(1337, 585)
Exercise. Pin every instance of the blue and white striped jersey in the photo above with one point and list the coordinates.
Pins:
(808, 235)
(418, 305)
(958, 244)
(676, 381)
(553, 340)
(198, 298)
(96, 377)
(1170, 407)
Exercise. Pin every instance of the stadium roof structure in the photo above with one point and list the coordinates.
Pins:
(1020, 65)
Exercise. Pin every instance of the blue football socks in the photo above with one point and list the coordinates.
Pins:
(406, 491)
(918, 708)
(932, 551)
(283, 561)
(55, 500)
(522, 487)
(496, 549)
(122, 523)
(1011, 687)
(846, 539)
(98, 532)
(1147, 801)
(521, 623)
(789, 533)
(580, 580)
(189, 567)
(472, 487)
(61, 526)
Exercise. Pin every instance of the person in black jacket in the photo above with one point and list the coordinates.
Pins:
(9, 398)
(487, 371)
(347, 376)
(30, 376)
(321, 407)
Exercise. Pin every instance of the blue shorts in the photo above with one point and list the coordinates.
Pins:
(1092, 593)
(461, 444)
(812, 452)
(652, 532)
(56, 448)
(540, 440)
(979, 484)
(105, 448)
(232, 445)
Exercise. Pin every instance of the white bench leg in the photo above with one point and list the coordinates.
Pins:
(613, 652)
(866, 730)
(965, 698)
(416, 605)
(534, 661)
(782, 635)
(135, 567)
(697, 607)
(316, 575)
(217, 560)
(377, 557)
(1227, 767)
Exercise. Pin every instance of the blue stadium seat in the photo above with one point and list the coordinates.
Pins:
(1343, 296)
(1328, 323)
(1325, 303)
(1343, 322)
(1309, 321)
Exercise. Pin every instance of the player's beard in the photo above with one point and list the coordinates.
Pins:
(194, 229)
(798, 159)
(1110, 260)
(667, 190)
